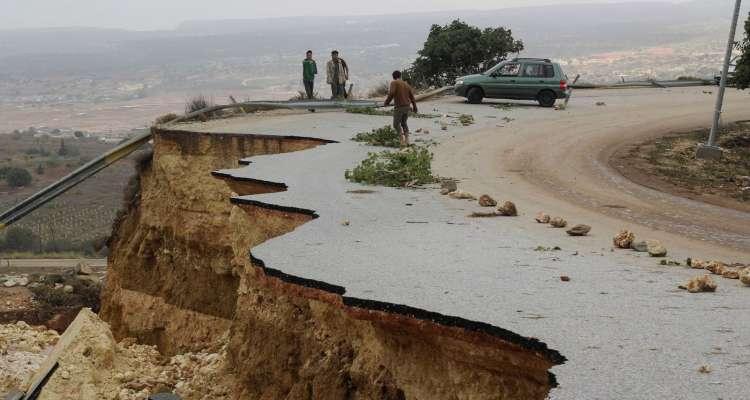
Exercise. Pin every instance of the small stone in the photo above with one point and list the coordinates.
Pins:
(704, 369)
(542, 218)
(716, 267)
(426, 131)
(745, 193)
(601, 103)
(744, 181)
(445, 191)
(461, 195)
(558, 222)
(484, 214)
(508, 209)
(58, 286)
(579, 230)
(565, 278)
(656, 249)
(449, 184)
(699, 284)
(487, 201)
(84, 269)
(624, 239)
(640, 246)
(744, 275)
(68, 289)
(65, 374)
(731, 273)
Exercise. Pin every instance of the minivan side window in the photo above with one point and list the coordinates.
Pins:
(538, 71)
(509, 70)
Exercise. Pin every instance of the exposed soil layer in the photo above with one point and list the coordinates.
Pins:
(181, 276)
(668, 164)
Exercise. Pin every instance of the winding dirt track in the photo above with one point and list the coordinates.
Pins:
(558, 162)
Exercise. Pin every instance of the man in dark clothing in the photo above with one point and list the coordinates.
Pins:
(402, 95)
(309, 70)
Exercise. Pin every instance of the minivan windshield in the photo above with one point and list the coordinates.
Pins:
(495, 68)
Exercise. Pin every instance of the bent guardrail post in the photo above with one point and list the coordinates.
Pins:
(74, 178)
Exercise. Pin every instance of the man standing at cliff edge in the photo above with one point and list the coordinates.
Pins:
(402, 95)
(337, 73)
(309, 70)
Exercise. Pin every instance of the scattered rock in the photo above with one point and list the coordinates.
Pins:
(695, 263)
(68, 289)
(579, 230)
(12, 281)
(345, 222)
(487, 201)
(704, 369)
(671, 263)
(601, 103)
(565, 278)
(656, 249)
(83, 268)
(558, 222)
(461, 195)
(426, 131)
(542, 218)
(449, 185)
(731, 273)
(699, 284)
(484, 215)
(716, 267)
(508, 209)
(445, 191)
(744, 181)
(624, 239)
(640, 246)
(745, 193)
(744, 275)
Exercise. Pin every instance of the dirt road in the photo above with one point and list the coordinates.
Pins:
(557, 162)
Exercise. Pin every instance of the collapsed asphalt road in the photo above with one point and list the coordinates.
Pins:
(626, 329)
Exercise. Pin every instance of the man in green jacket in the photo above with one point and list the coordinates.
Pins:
(309, 70)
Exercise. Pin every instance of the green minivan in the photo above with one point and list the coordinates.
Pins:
(519, 79)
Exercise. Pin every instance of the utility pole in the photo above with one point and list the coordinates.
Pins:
(709, 150)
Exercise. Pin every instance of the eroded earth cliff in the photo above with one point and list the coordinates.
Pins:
(182, 277)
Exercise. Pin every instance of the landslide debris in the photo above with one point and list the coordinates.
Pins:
(92, 365)
(22, 350)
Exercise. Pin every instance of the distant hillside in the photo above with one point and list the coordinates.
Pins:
(206, 54)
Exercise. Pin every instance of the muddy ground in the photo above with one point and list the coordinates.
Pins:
(668, 164)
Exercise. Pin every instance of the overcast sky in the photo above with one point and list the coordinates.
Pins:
(166, 14)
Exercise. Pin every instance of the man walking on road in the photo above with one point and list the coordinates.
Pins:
(337, 73)
(403, 96)
(309, 70)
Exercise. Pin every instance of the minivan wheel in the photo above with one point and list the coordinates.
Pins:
(546, 98)
(475, 95)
